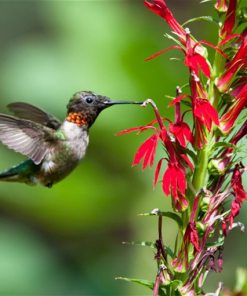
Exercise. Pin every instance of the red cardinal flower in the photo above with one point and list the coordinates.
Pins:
(236, 184)
(204, 115)
(235, 209)
(193, 59)
(230, 19)
(147, 151)
(238, 64)
(174, 177)
(232, 112)
(180, 264)
(181, 131)
(221, 6)
(160, 8)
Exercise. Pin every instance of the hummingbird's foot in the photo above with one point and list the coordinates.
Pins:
(49, 184)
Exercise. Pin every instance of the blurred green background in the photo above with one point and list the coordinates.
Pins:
(67, 240)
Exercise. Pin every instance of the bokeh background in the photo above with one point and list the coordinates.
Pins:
(67, 240)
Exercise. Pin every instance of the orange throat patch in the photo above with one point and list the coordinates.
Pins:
(76, 118)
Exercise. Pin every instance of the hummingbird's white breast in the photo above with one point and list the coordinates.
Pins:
(77, 137)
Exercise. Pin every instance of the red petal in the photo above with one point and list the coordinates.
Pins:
(215, 47)
(129, 130)
(156, 139)
(157, 171)
(235, 209)
(203, 65)
(166, 181)
(179, 99)
(193, 236)
(181, 180)
(181, 130)
(228, 38)
(164, 50)
(141, 152)
(188, 161)
(151, 151)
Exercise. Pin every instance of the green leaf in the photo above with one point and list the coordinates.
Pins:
(169, 252)
(191, 154)
(203, 18)
(169, 97)
(176, 283)
(226, 145)
(186, 103)
(170, 215)
(151, 245)
(175, 40)
(144, 244)
(218, 243)
(241, 284)
(145, 283)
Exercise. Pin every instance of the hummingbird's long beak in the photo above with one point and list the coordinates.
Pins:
(110, 103)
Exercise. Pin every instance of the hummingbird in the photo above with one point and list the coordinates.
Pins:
(54, 148)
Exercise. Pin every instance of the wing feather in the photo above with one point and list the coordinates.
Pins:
(30, 112)
(24, 136)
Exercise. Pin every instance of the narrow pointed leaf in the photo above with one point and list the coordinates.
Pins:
(218, 243)
(203, 18)
(144, 244)
(226, 145)
(145, 283)
(170, 215)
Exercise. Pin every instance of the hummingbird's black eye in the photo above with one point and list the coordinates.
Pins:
(89, 100)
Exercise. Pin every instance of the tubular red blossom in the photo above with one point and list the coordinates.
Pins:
(205, 113)
(147, 151)
(180, 264)
(230, 19)
(174, 177)
(159, 119)
(181, 131)
(197, 90)
(220, 261)
(235, 209)
(193, 60)
(231, 114)
(221, 6)
(238, 63)
(237, 183)
(160, 8)
(240, 134)
(238, 87)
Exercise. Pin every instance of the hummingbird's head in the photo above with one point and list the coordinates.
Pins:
(88, 104)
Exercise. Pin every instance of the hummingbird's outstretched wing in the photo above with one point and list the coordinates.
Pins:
(30, 112)
(27, 137)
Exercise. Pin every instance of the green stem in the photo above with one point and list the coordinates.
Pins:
(218, 68)
(199, 178)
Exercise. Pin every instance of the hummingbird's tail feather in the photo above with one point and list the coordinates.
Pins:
(9, 176)
(19, 173)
